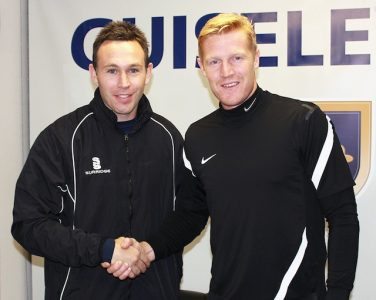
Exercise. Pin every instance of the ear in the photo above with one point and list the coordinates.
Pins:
(93, 74)
(201, 65)
(149, 69)
(256, 62)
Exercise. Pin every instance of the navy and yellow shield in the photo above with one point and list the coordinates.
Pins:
(352, 121)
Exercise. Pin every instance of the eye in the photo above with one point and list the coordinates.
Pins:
(213, 62)
(134, 70)
(238, 58)
(111, 71)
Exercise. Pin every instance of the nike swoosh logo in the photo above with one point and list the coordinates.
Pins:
(250, 106)
(205, 160)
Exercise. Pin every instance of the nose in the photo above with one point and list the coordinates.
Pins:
(226, 69)
(123, 80)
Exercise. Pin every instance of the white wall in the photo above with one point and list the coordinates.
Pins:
(12, 260)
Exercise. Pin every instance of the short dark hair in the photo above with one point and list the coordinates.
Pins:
(120, 31)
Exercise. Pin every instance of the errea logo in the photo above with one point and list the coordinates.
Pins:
(97, 168)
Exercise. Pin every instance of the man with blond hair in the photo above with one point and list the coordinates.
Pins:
(268, 170)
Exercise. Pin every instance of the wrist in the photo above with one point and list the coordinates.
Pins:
(148, 250)
(108, 250)
(337, 294)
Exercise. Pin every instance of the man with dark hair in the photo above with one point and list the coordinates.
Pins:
(109, 169)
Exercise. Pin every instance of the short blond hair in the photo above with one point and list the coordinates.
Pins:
(224, 23)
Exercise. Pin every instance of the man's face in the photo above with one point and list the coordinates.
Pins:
(229, 65)
(121, 76)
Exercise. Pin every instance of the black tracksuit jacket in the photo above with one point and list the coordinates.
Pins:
(268, 175)
(84, 182)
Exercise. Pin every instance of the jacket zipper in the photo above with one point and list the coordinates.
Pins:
(130, 183)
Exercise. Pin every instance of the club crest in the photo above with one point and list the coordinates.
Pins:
(352, 122)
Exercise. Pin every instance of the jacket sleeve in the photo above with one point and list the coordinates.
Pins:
(326, 165)
(341, 214)
(189, 217)
(38, 205)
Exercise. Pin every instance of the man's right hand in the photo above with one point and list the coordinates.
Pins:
(124, 259)
(130, 258)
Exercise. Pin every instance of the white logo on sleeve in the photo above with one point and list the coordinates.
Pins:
(205, 160)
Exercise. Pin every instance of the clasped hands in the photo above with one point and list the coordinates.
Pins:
(130, 258)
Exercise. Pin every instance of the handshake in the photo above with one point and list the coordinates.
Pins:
(130, 258)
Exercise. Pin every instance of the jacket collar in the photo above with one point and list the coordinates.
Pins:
(104, 114)
(237, 116)
(245, 108)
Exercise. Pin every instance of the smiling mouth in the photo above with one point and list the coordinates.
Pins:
(123, 97)
(230, 84)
